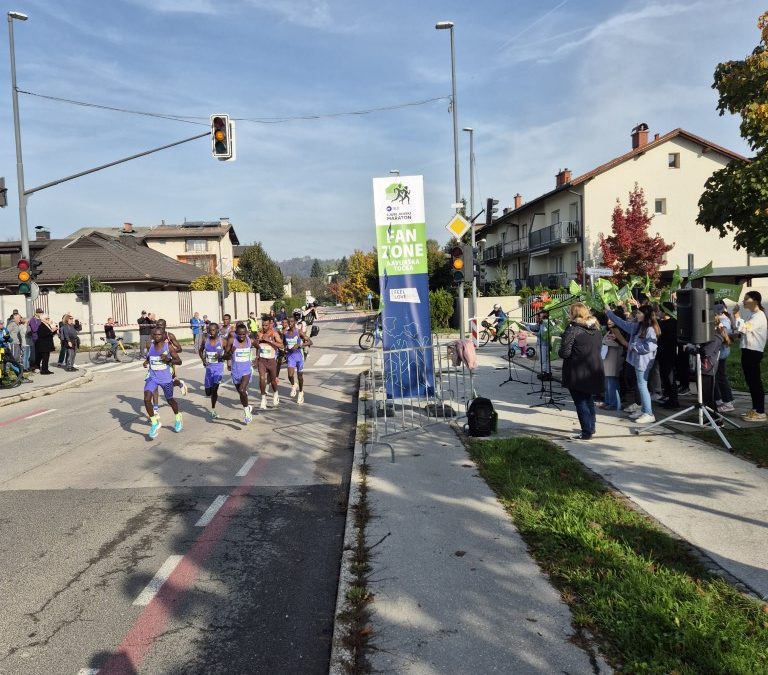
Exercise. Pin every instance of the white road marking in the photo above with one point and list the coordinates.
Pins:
(111, 367)
(88, 671)
(355, 360)
(211, 511)
(325, 360)
(247, 466)
(151, 589)
(42, 412)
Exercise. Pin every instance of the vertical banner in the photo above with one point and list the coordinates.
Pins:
(401, 244)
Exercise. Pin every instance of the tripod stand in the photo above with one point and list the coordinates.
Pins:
(511, 366)
(545, 392)
(699, 407)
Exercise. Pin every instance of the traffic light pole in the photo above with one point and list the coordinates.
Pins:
(90, 312)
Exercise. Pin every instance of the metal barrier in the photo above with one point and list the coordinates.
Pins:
(412, 389)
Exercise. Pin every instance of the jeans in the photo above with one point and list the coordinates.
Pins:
(612, 394)
(722, 386)
(750, 364)
(26, 356)
(198, 340)
(69, 356)
(545, 366)
(62, 353)
(642, 389)
(585, 410)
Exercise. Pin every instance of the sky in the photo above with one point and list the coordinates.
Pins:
(545, 84)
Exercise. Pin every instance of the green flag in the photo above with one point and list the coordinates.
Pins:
(702, 272)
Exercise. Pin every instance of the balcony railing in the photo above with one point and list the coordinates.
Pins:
(492, 253)
(516, 247)
(551, 280)
(559, 234)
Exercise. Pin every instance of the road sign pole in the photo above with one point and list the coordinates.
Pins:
(90, 312)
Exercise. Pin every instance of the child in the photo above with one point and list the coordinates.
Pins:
(522, 342)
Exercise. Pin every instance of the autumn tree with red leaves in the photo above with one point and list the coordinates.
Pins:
(630, 250)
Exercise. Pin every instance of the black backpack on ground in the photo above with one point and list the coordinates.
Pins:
(314, 331)
(479, 417)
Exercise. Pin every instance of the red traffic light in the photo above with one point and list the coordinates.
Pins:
(457, 252)
(23, 265)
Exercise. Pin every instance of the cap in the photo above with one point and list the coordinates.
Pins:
(719, 307)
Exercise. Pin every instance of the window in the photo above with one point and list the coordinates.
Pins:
(660, 206)
(196, 246)
(574, 261)
(573, 212)
(673, 160)
(555, 216)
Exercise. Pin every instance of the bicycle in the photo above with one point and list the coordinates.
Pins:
(11, 374)
(106, 351)
(485, 334)
(369, 338)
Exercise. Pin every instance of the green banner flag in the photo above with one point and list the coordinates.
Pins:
(725, 291)
(702, 272)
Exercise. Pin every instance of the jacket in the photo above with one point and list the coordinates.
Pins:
(641, 352)
(613, 362)
(580, 351)
(44, 338)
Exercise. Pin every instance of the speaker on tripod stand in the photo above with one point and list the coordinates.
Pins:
(695, 310)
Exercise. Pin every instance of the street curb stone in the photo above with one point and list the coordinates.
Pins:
(78, 381)
(339, 653)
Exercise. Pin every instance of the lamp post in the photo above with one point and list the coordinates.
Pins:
(19, 162)
(394, 172)
(448, 25)
(473, 299)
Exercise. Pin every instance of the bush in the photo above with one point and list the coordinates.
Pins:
(291, 302)
(440, 307)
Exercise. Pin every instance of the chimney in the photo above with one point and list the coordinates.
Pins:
(640, 136)
(128, 228)
(518, 200)
(563, 177)
(224, 221)
(42, 234)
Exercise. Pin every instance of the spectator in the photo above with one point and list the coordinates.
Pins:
(543, 330)
(145, 330)
(62, 361)
(16, 333)
(109, 335)
(44, 345)
(613, 363)
(25, 343)
(723, 393)
(752, 327)
(281, 316)
(253, 323)
(583, 373)
(34, 325)
(667, 356)
(198, 326)
(207, 322)
(68, 336)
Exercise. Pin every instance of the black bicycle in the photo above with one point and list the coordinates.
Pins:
(11, 374)
(105, 351)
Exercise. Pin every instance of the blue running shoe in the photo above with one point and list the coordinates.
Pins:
(154, 428)
(178, 424)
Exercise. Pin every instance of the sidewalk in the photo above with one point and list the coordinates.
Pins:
(43, 385)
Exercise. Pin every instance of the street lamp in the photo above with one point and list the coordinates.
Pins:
(471, 131)
(394, 172)
(448, 25)
(19, 163)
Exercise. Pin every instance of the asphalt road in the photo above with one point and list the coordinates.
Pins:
(215, 550)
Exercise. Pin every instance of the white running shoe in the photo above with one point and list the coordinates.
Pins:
(631, 408)
(248, 415)
(293, 391)
(645, 419)
(300, 399)
(275, 399)
(726, 407)
(263, 404)
(184, 388)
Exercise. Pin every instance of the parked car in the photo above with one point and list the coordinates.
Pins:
(350, 306)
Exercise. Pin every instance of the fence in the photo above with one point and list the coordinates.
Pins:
(529, 312)
(412, 389)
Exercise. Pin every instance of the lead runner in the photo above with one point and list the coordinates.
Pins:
(161, 355)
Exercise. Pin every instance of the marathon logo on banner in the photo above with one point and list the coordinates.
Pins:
(404, 295)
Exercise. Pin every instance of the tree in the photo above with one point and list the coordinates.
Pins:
(70, 285)
(440, 307)
(438, 266)
(261, 272)
(361, 267)
(735, 198)
(343, 268)
(317, 270)
(630, 250)
(212, 282)
(501, 286)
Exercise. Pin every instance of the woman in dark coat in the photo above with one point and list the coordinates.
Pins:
(582, 366)
(44, 344)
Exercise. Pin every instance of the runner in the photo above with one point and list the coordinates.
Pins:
(160, 356)
(171, 339)
(240, 363)
(269, 342)
(212, 354)
(226, 329)
(298, 317)
(294, 340)
(282, 328)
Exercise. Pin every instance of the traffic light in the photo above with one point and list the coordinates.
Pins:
(83, 290)
(457, 264)
(34, 268)
(25, 279)
(222, 137)
(490, 210)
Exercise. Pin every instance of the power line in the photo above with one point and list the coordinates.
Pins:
(193, 119)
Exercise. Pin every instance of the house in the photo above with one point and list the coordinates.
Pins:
(542, 241)
(210, 246)
(125, 263)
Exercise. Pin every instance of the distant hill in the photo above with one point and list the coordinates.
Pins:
(303, 266)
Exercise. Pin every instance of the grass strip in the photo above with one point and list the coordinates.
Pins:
(747, 442)
(650, 602)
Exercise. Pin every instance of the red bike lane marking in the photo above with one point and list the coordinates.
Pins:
(23, 417)
(152, 621)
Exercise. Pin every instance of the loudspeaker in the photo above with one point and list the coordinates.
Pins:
(695, 312)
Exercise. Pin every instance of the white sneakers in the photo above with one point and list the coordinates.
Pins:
(293, 390)
(644, 419)
(275, 399)
(725, 407)
(632, 408)
(300, 400)
(263, 404)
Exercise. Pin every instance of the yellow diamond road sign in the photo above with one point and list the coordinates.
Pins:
(458, 226)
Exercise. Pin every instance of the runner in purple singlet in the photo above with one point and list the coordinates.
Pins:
(161, 356)
(212, 354)
(241, 364)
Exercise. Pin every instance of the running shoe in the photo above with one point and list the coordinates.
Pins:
(178, 425)
(725, 407)
(632, 407)
(645, 418)
(184, 388)
(214, 415)
(263, 404)
(248, 415)
(275, 399)
(300, 399)
(154, 428)
(293, 391)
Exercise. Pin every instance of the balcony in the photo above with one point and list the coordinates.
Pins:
(559, 234)
(551, 280)
(492, 253)
(516, 247)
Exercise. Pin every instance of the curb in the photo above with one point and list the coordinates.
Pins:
(339, 653)
(78, 381)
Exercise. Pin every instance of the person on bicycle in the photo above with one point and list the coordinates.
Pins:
(6, 343)
(109, 336)
(498, 326)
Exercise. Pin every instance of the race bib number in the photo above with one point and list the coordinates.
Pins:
(267, 351)
(156, 363)
(242, 355)
(291, 342)
(212, 357)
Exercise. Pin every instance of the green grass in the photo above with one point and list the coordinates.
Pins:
(748, 442)
(736, 375)
(651, 604)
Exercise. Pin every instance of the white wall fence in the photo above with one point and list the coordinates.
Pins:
(509, 303)
(176, 307)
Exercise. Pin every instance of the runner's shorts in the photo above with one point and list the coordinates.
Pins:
(268, 367)
(295, 360)
(212, 378)
(237, 379)
(151, 384)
